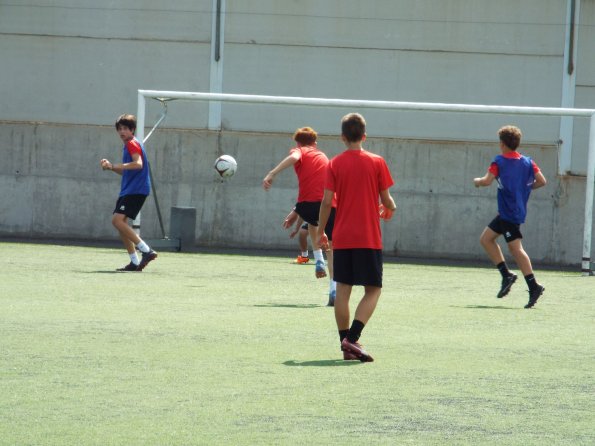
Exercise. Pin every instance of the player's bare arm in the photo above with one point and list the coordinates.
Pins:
(486, 180)
(387, 206)
(289, 161)
(323, 216)
(135, 164)
(540, 180)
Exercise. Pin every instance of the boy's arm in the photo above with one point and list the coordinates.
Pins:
(135, 164)
(297, 227)
(388, 205)
(290, 160)
(540, 181)
(323, 216)
(486, 180)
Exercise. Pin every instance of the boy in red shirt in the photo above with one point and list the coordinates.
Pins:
(358, 178)
(310, 166)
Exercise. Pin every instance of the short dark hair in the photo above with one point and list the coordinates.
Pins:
(353, 127)
(305, 136)
(510, 136)
(128, 121)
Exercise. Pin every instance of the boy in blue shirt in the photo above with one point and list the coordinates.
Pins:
(517, 176)
(134, 189)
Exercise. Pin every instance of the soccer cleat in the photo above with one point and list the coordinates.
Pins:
(355, 349)
(130, 267)
(331, 298)
(534, 295)
(320, 271)
(302, 260)
(506, 285)
(348, 356)
(146, 258)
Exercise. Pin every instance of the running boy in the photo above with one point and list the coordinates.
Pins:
(516, 175)
(358, 178)
(134, 189)
(310, 166)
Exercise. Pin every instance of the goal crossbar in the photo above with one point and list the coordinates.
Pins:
(411, 106)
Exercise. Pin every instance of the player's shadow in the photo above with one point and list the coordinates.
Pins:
(485, 307)
(99, 272)
(321, 363)
(273, 305)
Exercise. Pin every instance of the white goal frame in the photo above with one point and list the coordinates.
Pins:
(417, 106)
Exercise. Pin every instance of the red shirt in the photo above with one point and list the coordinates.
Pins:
(357, 177)
(310, 170)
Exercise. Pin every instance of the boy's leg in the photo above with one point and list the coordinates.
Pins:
(320, 270)
(520, 256)
(524, 262)
(488, 241)
(127, 234)
(367, 305)
(342, 315)
(332, 294)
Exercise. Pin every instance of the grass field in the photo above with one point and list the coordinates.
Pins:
(241, 350)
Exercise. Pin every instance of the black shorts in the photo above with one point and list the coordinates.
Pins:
(359, 266)
(511, 231)
(130, 205)
(310, 210)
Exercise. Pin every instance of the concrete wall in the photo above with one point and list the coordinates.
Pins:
(52, 186)
(69, 68)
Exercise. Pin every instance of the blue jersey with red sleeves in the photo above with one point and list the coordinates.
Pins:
(515, 174)
(135, 181)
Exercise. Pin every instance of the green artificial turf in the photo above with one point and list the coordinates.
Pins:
(241, 350)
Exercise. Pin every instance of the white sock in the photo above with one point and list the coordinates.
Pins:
(333, 285)
(134, 258)
(305, 253)
(318, 255)
(143, 247)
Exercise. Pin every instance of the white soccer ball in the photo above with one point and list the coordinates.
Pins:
(225, 166)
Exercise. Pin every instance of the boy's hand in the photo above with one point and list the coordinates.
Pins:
(323, 241)
(290, 219)
(385, 213)
(105, 164)
(267, 182)
(477, 182)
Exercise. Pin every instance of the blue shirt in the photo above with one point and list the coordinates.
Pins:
(135, 181)
(515, 178)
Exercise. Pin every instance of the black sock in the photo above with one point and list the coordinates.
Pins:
(503, 269)
(343, 334)
(355, 331)
(531, 282)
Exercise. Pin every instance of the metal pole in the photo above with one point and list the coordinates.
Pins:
(586, 264)
(154, 187)
(140, 134)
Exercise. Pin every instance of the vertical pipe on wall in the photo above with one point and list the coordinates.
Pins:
(216, 71)
(568, 87)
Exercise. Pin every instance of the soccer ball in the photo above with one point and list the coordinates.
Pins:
(225, 166)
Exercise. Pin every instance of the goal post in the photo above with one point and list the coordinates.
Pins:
(404, 106)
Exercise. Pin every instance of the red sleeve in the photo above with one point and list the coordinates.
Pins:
(535, 167)
(133, 147)
(493, 169)
(297, 151)
(329, 183)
